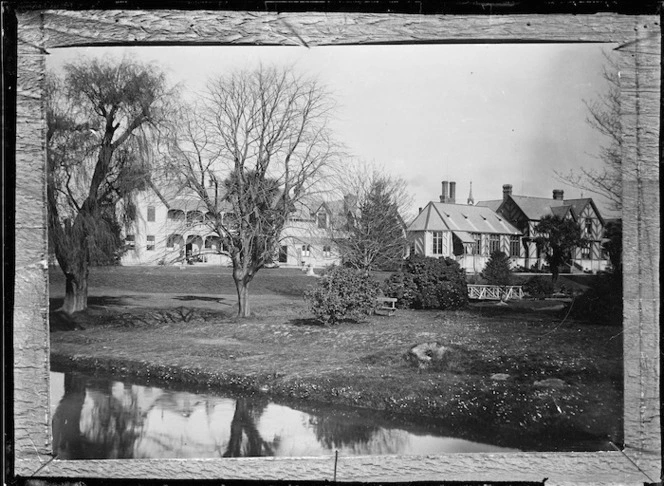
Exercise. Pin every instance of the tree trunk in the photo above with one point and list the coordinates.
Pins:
(76, 292)
(242, 287)
(554, 273)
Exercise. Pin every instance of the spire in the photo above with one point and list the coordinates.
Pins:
(471, 201)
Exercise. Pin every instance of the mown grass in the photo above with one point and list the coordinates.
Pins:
(282, 351)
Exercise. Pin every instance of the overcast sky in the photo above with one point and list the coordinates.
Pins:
(492, 114)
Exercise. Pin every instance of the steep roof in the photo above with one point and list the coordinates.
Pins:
(493, 204)
(461, 218)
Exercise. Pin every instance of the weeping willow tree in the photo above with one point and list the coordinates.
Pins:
(99, 118)
(256, 145)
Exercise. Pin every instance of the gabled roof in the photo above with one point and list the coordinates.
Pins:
(461, 218)
(493, 204)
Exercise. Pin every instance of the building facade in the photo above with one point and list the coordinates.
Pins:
(525, 212)
(466, 233)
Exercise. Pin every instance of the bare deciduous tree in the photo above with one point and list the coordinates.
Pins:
(251, 149)
(604, 116)
(97, 141)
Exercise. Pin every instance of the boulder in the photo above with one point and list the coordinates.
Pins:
(428, 355)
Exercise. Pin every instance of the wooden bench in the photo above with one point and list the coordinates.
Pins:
(386, 304)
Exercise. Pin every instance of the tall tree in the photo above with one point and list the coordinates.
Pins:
(558, 238)
(255, 145)
(372, 232)
(97, 143)
(604, 115)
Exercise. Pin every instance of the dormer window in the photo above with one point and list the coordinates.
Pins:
(321, 219)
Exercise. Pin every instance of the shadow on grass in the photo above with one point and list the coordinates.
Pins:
(56, 302)
(203, 298)
(308, 322)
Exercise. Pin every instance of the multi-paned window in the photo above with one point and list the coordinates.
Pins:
(437, 243)
(494, 243)
(327, 251)
(515, 246)
(306, 250)
(585, 251)
(477, 250)
(589, 227)
(130, 241)
(150, 245)
(151, 215)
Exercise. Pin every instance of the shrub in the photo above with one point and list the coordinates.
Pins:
(539, 287)
(342, 293)
(497, 270)
(402, 287)
(602, 303)
(440, 283)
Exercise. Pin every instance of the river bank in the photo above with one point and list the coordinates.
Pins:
(515, 379)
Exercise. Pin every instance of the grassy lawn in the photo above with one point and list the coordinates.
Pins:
(178, 326)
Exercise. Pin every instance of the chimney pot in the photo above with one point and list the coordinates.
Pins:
(507, 191)
(558, 194)
(452, 198)
(445, 192)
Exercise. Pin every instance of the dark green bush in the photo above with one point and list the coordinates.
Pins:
(497, 270)
(402, 287)
(342, 293)
(439, 282)
(602, 303)
(539, 287)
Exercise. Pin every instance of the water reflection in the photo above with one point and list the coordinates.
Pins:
(103, 419)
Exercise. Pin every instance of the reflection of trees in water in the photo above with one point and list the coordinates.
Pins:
(111, 427)
(360, 437)
(245, 439)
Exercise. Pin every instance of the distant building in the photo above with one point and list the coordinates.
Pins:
(173, 226)
(524, 212)
(466, 233)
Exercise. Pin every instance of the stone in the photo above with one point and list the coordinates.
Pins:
(427, 355)
(500, 377)
(551, 383)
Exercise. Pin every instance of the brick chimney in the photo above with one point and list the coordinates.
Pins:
(452, 198)
(558, 194)
(445, 192)
(507, 191)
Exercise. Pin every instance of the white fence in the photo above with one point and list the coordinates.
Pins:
(495, 292)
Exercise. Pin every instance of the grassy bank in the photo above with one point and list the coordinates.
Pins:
(185, 333)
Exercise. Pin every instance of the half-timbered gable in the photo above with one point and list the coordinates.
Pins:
(525, 212)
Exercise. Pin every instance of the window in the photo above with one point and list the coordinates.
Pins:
(585, 252)
(327, 251)
(130, 241)
(151, 214)
(150, 246)
(321, 218)
(494, 243)
(589, 226)
(437, 242)
(515, 246)
(478, 243)
(306, 250)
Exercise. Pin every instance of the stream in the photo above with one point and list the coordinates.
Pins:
(104, 418)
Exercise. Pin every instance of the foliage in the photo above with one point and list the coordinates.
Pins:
(371, 234)
(343, 293)
(98, 157)
(440, 283)
(539, 287)
(402, 287)
(558, 238)
(250, 150)
(613, 245)
(602, 303)
(497, 270)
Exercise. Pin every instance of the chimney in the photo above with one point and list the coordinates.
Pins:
(444, 193)
(507, 191)
(452, 193)
(558, 194)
